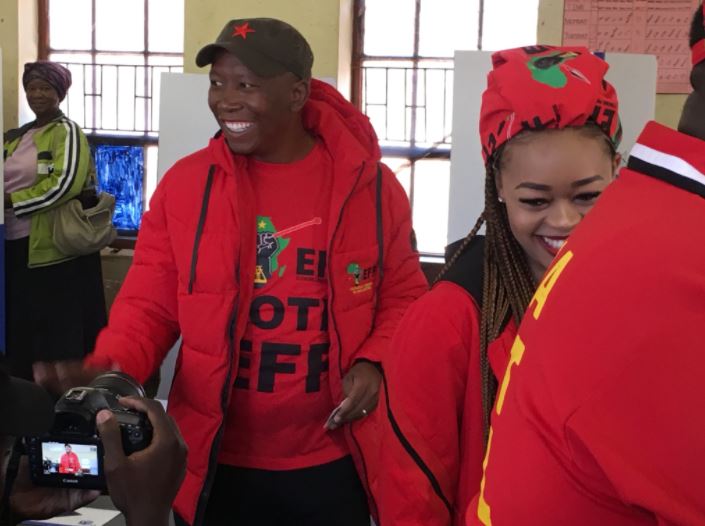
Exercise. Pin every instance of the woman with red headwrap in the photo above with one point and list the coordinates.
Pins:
(55, 302)
(549, 129)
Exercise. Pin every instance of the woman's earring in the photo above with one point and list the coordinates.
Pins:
(500, 200)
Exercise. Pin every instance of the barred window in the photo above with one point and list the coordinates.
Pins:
(403, 80)
(116, 52)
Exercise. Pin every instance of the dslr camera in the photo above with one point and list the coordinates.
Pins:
(71, 454)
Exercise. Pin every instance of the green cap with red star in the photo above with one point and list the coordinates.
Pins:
(267, 46)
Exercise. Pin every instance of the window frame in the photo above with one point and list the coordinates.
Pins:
(44, 48)
(411, 152)
(97, 135)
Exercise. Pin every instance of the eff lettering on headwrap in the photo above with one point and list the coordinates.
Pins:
(539, 87)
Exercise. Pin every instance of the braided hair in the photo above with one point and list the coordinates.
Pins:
(508, 283)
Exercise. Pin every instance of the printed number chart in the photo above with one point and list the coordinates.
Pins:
(653, 27)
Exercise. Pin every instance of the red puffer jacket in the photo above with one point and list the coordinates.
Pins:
(433, 438)
(193, 271)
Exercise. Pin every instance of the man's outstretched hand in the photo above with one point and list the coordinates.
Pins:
(59, 377)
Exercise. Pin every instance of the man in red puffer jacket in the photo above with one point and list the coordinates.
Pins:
(282, 253)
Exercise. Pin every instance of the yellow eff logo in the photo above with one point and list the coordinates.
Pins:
(548, 283)
(516, 355)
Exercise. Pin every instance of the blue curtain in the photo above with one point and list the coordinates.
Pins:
(120, 171)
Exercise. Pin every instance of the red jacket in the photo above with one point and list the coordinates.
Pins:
(433, 438)
(600, 415)
(193, 271)
(69, 463)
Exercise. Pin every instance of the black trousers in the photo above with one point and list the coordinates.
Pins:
(326, 495)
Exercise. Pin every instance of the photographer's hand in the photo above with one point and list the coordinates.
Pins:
(144, 484)
(28, 501)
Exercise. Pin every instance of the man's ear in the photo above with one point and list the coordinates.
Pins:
(300, 91)
(616, 163)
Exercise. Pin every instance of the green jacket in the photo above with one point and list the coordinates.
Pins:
(63, 166)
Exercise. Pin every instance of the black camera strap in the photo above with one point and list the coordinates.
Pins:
(13, 465)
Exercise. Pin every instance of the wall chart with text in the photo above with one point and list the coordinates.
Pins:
(652, 27)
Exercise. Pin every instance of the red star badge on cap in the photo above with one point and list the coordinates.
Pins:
(241, 31)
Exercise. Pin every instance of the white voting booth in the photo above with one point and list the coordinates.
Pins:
(186, 124)
(185, 120)
(633, 76)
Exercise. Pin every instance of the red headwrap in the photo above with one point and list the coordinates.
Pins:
(55, 74)
(698, 49)
(541, 87)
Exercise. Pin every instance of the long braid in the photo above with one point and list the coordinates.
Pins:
(508, 286)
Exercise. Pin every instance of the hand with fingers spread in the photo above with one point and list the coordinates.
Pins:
(361, 389)
(59, 377)
(144, 484)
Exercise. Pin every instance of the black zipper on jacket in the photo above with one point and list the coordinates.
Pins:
(330, 258)
(380, 224)
(199, 228)
(202, 502)
(415, 456)
(380, 273)
(335, 324)
(379, 231)
(215, 447)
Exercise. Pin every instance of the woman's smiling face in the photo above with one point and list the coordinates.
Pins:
(548, 181)
(42, 97)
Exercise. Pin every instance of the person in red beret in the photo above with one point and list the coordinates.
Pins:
(549, 128)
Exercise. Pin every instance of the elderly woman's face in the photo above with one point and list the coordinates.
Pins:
(41, 97)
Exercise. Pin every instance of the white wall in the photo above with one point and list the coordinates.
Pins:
(185, 121)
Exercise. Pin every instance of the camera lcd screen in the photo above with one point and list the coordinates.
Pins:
(78, 460)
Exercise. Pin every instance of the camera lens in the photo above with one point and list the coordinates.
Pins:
(118, 383)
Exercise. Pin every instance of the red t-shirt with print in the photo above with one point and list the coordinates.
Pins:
(69, 463)
(282, 385)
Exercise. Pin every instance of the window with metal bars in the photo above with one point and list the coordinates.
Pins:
(116, 52)
(403, 80)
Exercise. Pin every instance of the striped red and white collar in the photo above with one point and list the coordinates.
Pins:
(670, 156)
